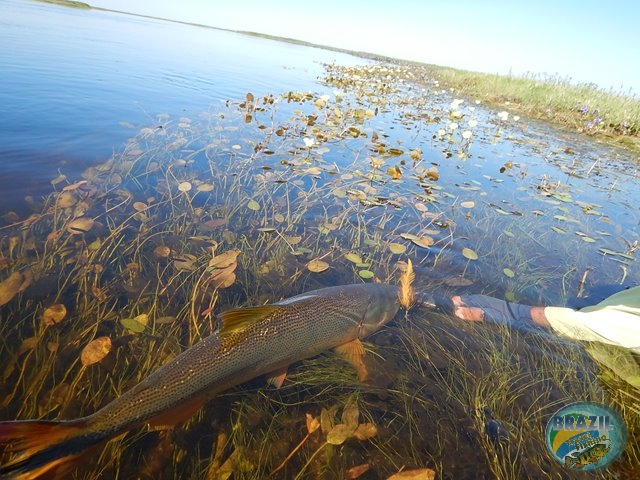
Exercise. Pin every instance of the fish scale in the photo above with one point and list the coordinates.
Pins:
(252, 342)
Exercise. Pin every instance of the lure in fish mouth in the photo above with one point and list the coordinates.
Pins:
(253, 341)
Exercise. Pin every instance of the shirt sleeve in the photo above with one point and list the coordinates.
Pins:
(610, 323)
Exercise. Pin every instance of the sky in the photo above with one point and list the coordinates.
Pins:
(586, 41)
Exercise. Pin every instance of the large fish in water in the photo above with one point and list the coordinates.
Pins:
(251, 342)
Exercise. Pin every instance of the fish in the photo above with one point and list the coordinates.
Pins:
(253, 341)
(592, 455)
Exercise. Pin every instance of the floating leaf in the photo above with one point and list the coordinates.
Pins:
(395, 172)
(365, 431)
(357, 471)
(225, 259)
(205, 187)
(10, 286)
(417, 474)
(162, 251)
(80, 225)
(424, 241)
(339, 434)
(185, 263)
(366, 274)
(312, 423)
(66, 200)
(184, 187)
(223, 277)
(351, 413)
(253, 205)
(164, 320)
(278, 217)
(397, 248)
(54, 314)
(136, 324)
(317, 266)
(469, 204)
(470, 254)
(508, 272)
(95, 351)
(558, 230)
(140, 206)
(353, 257)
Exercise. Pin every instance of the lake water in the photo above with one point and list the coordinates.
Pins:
(155, 174)
(71, 78)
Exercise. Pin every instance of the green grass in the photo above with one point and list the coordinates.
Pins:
(553, 99)
(68, 3)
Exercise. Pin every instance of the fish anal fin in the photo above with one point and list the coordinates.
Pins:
(277, 377)
(353, 352)
(241, 318)
(176, 415)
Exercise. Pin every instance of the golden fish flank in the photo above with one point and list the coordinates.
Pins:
(252, 342)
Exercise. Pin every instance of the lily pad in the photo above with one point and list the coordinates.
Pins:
(136, 324)
(253, 205)
(54, 314)
(366, 274)
(397, 248)
(95, 351)
(317, 266)
(508, 272)
(80, 225)
(470, 254)
(353, 257)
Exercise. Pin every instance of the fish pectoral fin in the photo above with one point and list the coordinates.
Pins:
(353, 352)
(176, 415)
(241, 318)
(277, 377)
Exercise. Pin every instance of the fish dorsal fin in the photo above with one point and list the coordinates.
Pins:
(240, 318)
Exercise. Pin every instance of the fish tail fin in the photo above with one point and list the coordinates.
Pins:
(45, 449)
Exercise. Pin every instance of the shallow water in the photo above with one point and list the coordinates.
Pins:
(340, 185)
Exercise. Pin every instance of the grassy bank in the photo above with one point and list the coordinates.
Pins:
(67, 3)
(606, 115)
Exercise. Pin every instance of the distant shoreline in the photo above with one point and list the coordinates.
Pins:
(605, 115)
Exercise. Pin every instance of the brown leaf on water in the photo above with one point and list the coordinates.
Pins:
(395, 172)
(355, 472)
(54, 314)
(225, 259)
(27, 344)
(417, 474)
(339, 434)
(458, 282)
(312, 423)
(317, 266)
(223, 277)
(95, 351)
(351, 413)
(326, 421)
(10, 286)
(365, 431)
(406, 294)
(80, 225)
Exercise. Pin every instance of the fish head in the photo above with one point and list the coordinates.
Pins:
(383, 304)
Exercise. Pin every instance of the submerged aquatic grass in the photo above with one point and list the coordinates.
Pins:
(267, 196)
